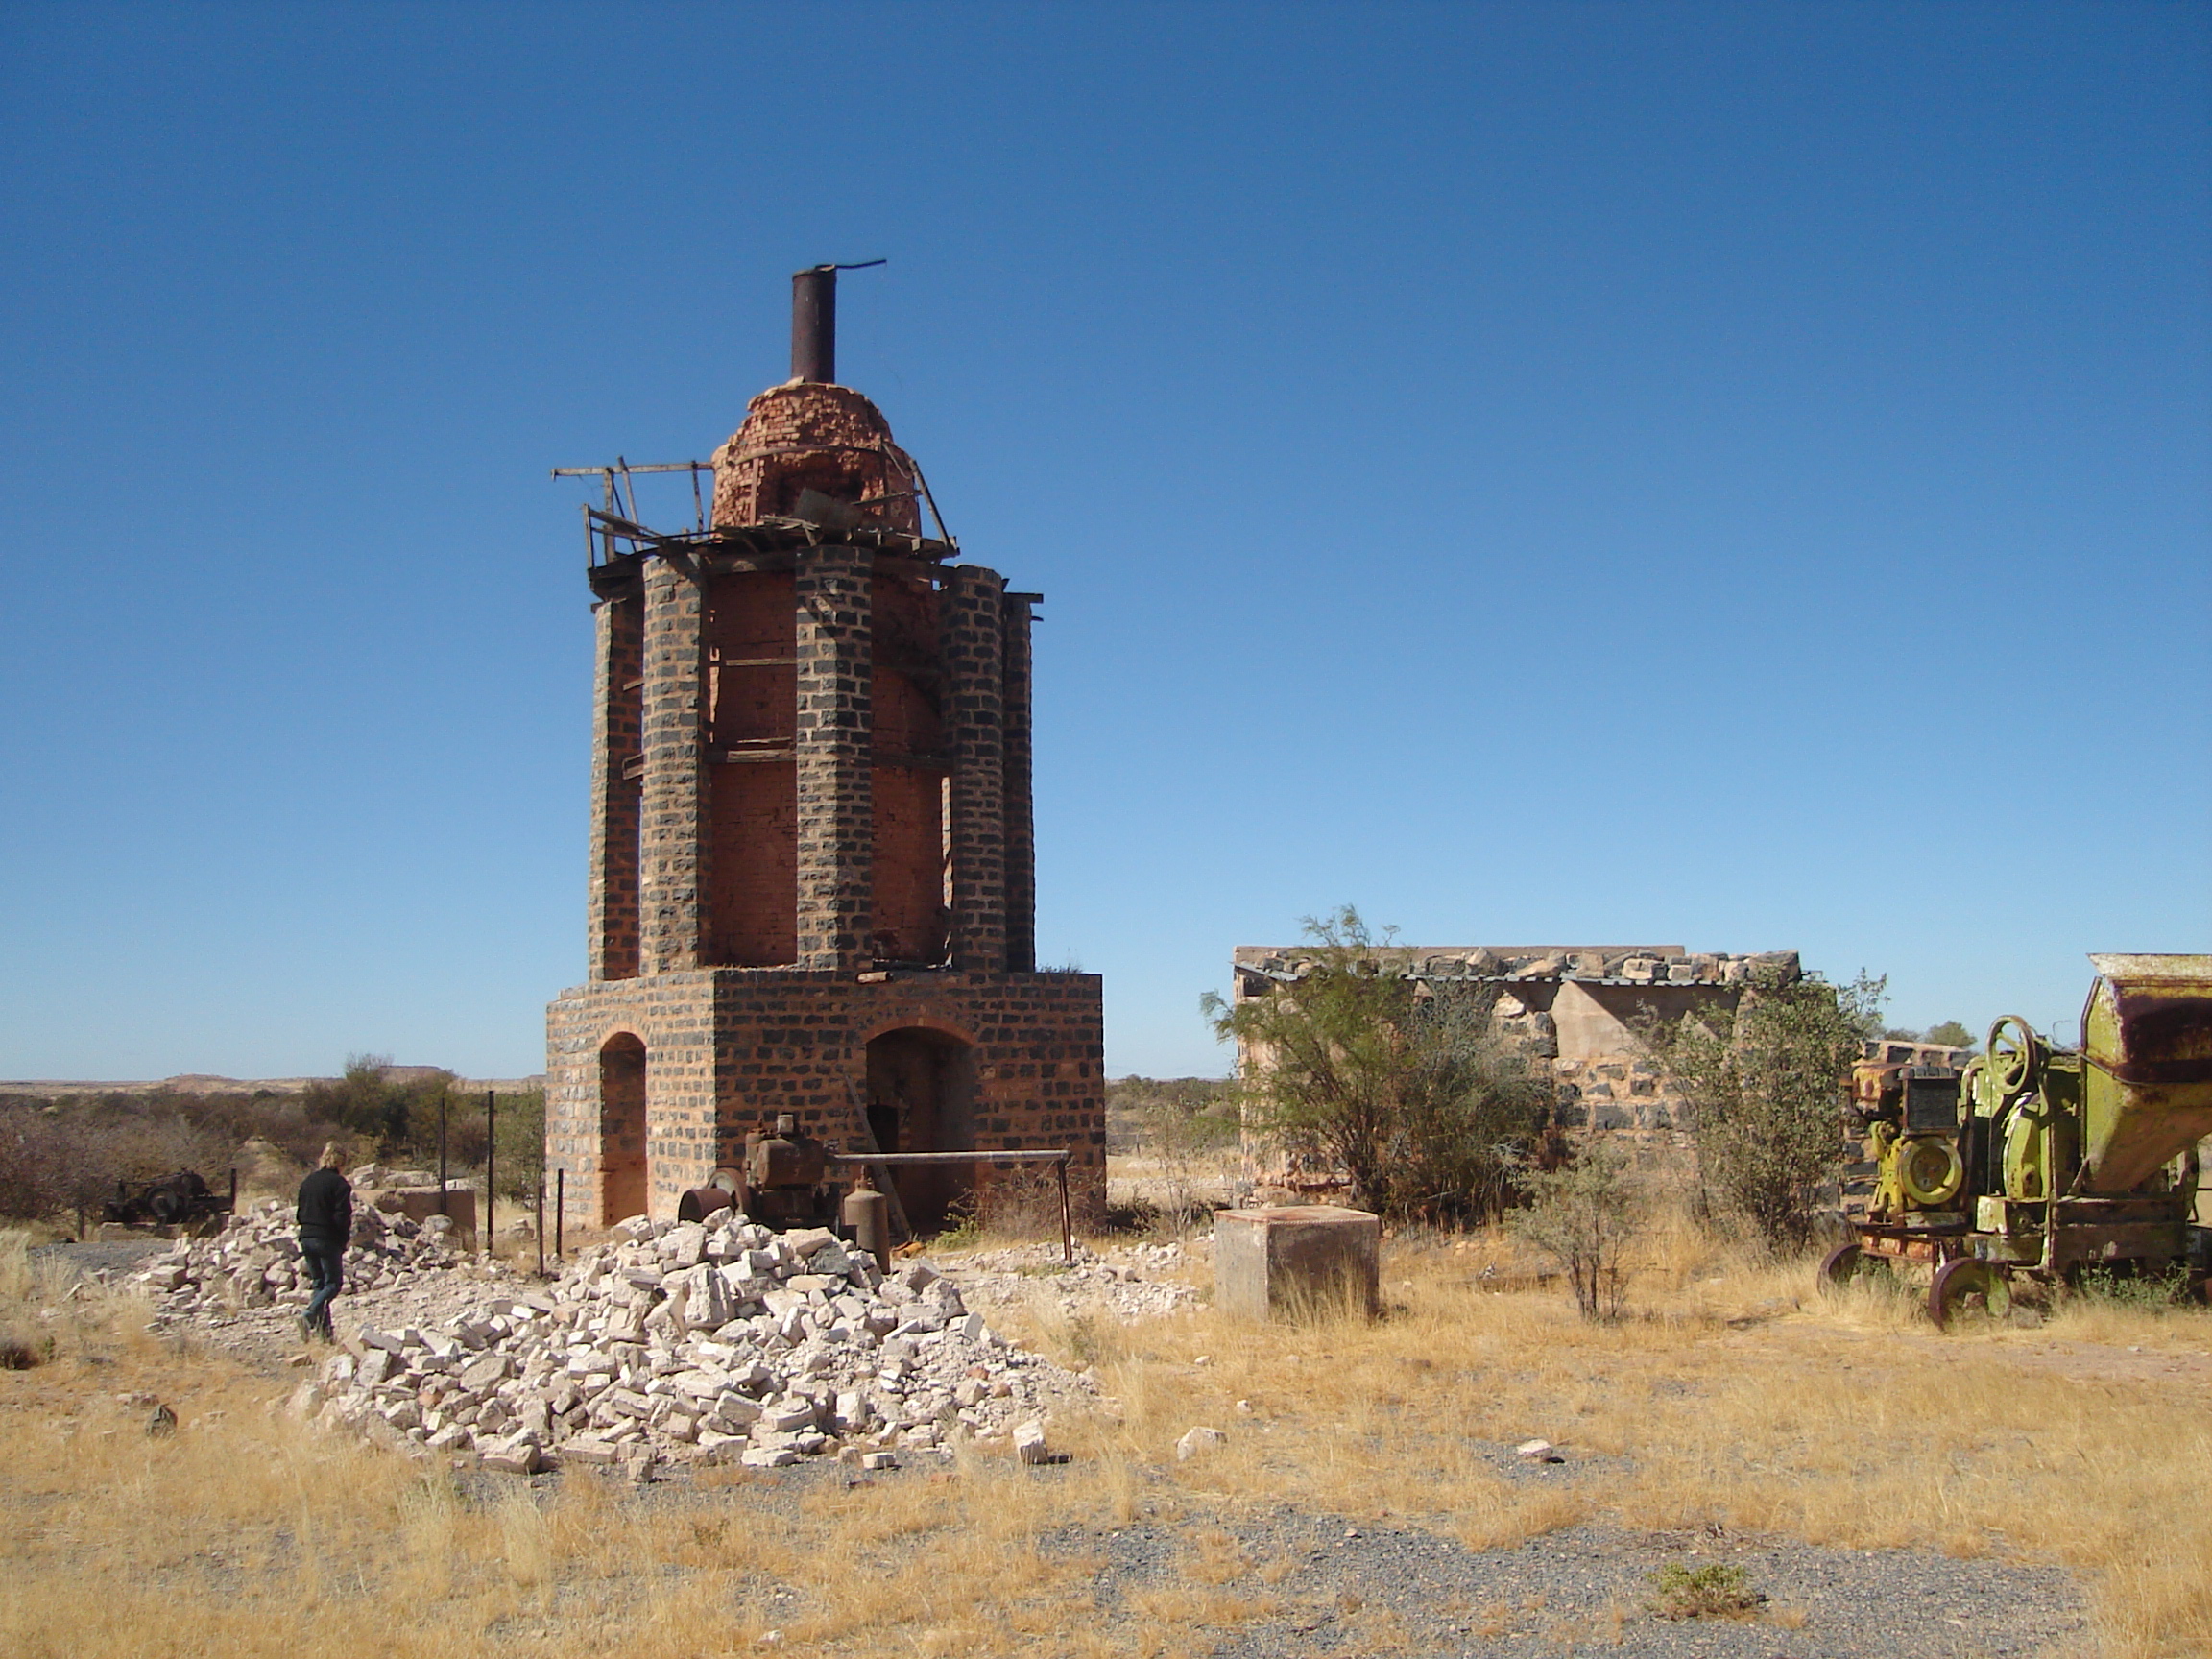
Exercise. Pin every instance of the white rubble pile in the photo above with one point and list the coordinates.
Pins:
(724, 1341)
(1125, 1282)
(254, 1260)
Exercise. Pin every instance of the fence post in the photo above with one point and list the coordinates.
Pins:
(490, 1170)
(559, 1210)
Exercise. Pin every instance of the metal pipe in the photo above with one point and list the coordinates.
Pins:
(445, 1105)
(814, 321)
(490, 1168)
(814, 325)
(1066, 1221)
(540, 1226)
(559, 1210)
(984, 1156)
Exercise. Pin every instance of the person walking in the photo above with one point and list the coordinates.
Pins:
(326, 1226)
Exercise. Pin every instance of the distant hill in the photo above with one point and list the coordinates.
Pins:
(207, 1083)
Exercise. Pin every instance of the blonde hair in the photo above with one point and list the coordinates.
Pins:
(333, 1156)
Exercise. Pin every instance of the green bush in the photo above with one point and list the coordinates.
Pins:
(1766, 1091)
(1404, 1086)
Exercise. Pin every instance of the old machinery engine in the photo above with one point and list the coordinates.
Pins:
(184, 1199)
(784, 1182)
(2039, 1162)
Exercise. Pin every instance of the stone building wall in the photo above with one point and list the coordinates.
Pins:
(729, 1048)
(1574, 1010)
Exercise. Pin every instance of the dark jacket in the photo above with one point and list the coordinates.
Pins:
(326, 1207)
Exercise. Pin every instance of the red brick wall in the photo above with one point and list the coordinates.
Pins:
(752, 902)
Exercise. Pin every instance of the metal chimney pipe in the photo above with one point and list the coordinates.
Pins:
(814, 325)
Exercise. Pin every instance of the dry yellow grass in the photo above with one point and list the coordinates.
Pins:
(1734, 1397)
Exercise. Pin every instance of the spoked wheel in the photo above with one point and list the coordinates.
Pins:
(2014, 1056)
(1969, 1289)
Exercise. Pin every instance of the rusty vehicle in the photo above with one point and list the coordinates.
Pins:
(184, 1200)
(2036, 1164)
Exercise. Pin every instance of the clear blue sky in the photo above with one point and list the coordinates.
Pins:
(1728, 475)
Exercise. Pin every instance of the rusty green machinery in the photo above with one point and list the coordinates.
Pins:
(2038, 1162)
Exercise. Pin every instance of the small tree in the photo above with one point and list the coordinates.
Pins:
(1951, 1035)
(1764, 1088)
(1585, 1216)
(1405, 1087)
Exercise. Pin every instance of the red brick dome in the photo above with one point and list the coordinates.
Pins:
(807, 435)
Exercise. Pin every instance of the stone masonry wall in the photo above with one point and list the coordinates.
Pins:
(1017, 810)
(836, 815)
(674, 845)
(727, 1048)
(974, 651)
(617, 737)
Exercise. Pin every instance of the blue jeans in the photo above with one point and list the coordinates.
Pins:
(324, 1257)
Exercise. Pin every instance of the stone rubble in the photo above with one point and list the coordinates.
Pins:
(1125, 1283)
(255, 1262)
(683, 1342)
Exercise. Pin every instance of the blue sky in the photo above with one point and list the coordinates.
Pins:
(1733, 476)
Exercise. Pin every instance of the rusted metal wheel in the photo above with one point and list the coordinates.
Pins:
(1968, 1289)
(1840, 1266)
(701, 1202)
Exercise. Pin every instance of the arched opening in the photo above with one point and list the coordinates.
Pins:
(622, 1187)
(922, 1098)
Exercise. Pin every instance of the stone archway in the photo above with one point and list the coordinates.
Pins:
(623, 1189)
(922, 1098)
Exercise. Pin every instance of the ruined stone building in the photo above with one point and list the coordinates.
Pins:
(812, 880)
(1574, 1007)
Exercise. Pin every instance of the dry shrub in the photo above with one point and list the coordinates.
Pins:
(1716, 1590)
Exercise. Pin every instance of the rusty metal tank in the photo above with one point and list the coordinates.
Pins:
(2147, 1093)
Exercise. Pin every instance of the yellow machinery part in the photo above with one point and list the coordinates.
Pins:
(2026, 1177)
(1930, 1170)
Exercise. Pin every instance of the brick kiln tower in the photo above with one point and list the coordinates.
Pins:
(812, 872)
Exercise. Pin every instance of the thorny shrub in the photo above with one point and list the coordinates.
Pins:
(1586, 1217)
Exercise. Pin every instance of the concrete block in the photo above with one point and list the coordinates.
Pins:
(419, 1204)
(1291, 1261)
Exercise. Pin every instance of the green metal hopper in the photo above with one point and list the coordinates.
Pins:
(2147, 1034)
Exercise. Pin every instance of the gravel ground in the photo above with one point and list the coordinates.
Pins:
(1341, 1585)
(117, 1256)
(1589, 1586)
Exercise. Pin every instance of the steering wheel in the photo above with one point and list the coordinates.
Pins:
(2015, 1055)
